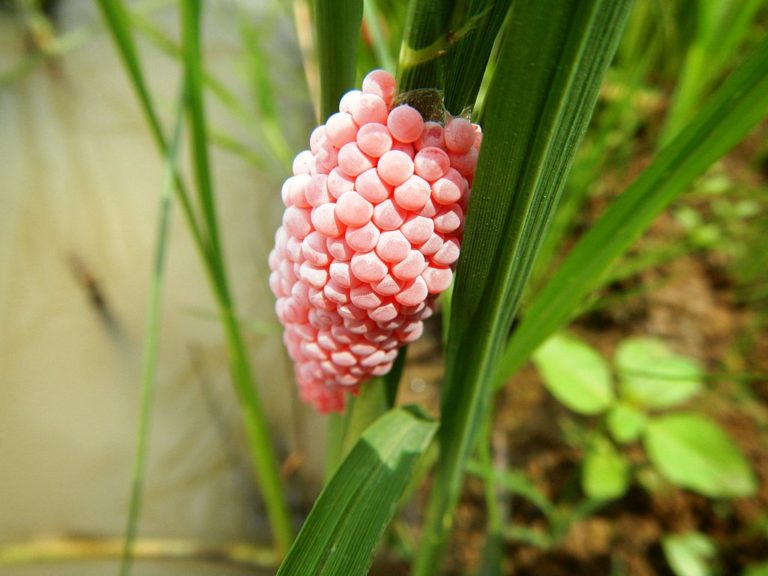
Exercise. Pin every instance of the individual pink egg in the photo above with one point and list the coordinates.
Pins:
(368, 267)
(348, 100)
(448, 253)
(449, 220)
(339, 249)
(431, 163)
(405, 123)
(316, 139)
(353, 161)
(437, 279)
(388, 286)
(459, 135)
(316, 190)
(381, 83)
(340, 129)
(418, 229)
(371, 187)
(412, 194)
(431, 136)
(363, 296)
(353, 210)
(414, 293)
(364, 238)
(297, 221)
(374, 139)
(448, 189)
(395, 167)
(368, 108)
(338, 183)
(388, 216)
(464, 163)
(410, 267)
(303, 162)
(324, 220)
(392, 246)
(314, 249)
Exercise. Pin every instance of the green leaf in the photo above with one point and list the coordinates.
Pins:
(689, 554)
(605, 475)
(625, 422)
(337, 29)
(694, 452)
(739, 104)
(652, 375)
(348, 519)
(575, 374)
(536, 112)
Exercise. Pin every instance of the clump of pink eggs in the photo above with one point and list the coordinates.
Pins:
(374, 215)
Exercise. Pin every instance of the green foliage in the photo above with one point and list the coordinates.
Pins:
(689, 554)
(689, 450)
(737, 106)
(693, 452)
(349, 517)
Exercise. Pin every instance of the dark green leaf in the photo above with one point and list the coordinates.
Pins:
(348, 519)
(536, 111)
(337, 28)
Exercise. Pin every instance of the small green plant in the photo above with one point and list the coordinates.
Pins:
(640, 397)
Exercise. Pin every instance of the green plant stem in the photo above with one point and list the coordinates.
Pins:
(257, 430)
(150, 354)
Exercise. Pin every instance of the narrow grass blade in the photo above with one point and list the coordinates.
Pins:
(151, 346)
(337, 30)
(739, 104)
(262, 452)
(536, 112)
(348, 519)
(119, 24)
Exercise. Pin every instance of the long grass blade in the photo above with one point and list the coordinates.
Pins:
(151, 346)
(536, 112)
(337, 31)
(739, 104)
(262, 452)
(348, 519)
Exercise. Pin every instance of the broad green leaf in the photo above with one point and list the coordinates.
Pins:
(625, 422)
(337, 29)
(652, 375)
(694, 452)
(605, 475)
(689, 554)
(536, 111)
(349, 517)
(739, 104)
(575, 374)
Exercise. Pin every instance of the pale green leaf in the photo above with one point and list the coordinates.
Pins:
(694, 452)
(652, 375)
(605, 475)
(575, 374)
(625, 422)
(689, 554)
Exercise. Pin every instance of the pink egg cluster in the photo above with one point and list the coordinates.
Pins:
(372, 228)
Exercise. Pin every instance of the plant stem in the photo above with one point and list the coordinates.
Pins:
(151, 344)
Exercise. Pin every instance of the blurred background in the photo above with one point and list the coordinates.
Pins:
(80, 180)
